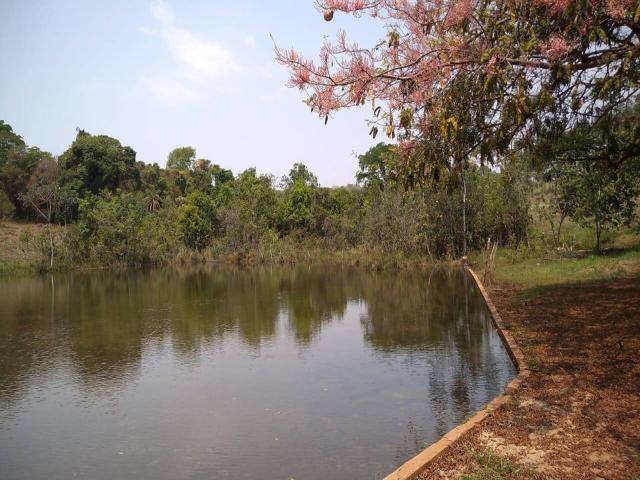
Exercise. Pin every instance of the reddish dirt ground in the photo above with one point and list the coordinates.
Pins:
(577, 416)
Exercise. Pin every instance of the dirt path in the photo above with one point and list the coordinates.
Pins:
(578, 414)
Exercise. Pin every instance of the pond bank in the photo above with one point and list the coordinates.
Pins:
(578, 413)
(24, 250)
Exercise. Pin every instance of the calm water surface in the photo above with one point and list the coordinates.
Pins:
(264, 374)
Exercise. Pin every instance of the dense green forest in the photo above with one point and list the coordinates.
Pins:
(119, 211)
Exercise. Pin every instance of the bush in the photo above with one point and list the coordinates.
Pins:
(119, 228)
(248, 209)
(6, 207)
(197, 220)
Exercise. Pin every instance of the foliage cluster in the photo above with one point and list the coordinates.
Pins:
(123, 212)
(474, 77)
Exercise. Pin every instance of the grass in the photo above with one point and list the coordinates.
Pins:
(541, 271)
(491, 466)
(17, 252)
(544, 266)
(22, 246)
(17, 267)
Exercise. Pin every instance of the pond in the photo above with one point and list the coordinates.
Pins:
(305, 374)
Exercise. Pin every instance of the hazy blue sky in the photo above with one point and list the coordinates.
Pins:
(157, 75)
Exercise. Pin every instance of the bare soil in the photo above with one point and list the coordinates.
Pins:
(577, 416)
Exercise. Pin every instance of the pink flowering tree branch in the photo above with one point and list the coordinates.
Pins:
(478, 75)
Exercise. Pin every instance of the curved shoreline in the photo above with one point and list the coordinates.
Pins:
(411, 469)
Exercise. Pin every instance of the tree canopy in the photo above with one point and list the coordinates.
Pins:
(8, 141)
(377, 165)
(118, 210)
(97, 162)
(299, 173)
(611, 141)
(181, 158)
(478, 75)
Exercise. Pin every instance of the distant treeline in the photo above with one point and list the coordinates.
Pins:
(122, 212)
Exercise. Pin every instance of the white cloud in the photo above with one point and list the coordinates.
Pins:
(198, 58)
(250, 41)
(274, 96)
(162, 13)
(202, 58)
(170, 90)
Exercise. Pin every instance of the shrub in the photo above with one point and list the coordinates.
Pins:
(6, 207)
(119, 228)
(197, 220)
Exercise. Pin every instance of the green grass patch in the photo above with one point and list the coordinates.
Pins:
(17, 267)
(491, 466)
(538, 271)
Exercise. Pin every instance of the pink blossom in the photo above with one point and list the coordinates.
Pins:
(555, 48)
(415, 65)
(619, 9)
(555, 6)
(459, 12)
(406, 147)
(345, 5)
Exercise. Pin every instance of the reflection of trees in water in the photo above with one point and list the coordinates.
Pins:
(445, 315)
(27, 334)
(406, 310)
(206, 307)
(410, 310)
(314, 297)
(462, 380)
(412, 441)
(102, 323)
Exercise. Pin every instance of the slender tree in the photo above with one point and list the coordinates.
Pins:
(45, 195)
(600, 197)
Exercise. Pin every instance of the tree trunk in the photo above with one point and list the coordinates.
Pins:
(50, 237)
(50, 245)
(598, 221)
(562, 217)
(464, 214)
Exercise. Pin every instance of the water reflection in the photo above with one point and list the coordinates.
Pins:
(385, 362)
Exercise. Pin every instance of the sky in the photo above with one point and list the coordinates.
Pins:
(162, 74)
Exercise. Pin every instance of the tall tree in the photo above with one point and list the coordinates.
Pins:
(301, 174)
(221, 175)
(197, 220)
(181, 158)
(17, 164)
(200, 178)
(250, 205)
(377, 166)
(97, 162)
(301, 206)
(9, 140)
(16, 170)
